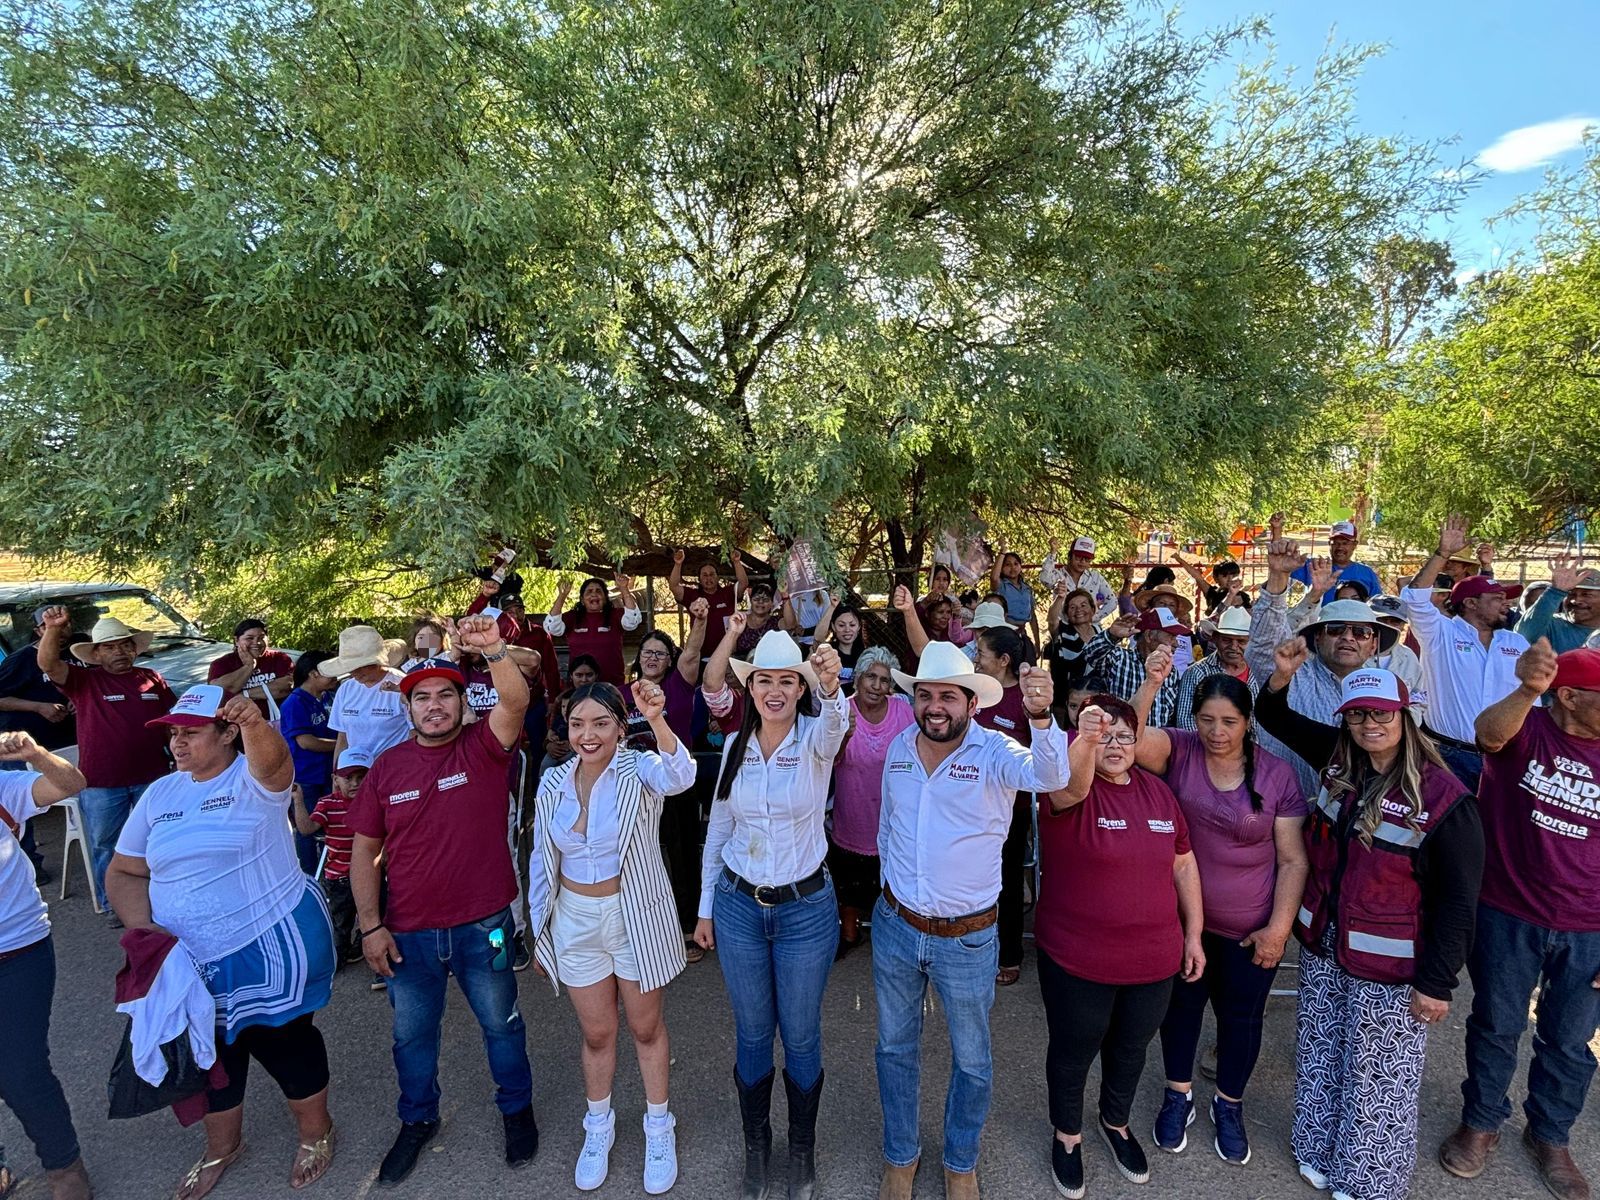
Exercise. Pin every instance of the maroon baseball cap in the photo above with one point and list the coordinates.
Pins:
(1158, 618)
(1483, 585)
(432, 668)
(1578, 669)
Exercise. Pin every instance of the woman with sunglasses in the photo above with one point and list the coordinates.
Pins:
(601, 905)
(1396, 854)
(1106, 970)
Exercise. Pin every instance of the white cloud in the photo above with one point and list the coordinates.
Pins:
(1535, 145)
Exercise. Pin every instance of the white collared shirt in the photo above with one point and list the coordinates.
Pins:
(939, 836)
(1461, 676)
(769, 829)
(596, 855)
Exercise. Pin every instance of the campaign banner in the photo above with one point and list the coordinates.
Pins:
(801, 571)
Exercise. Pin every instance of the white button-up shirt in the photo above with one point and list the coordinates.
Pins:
(1461, 676)
(939, 836)
(769, 829)
(596, 854)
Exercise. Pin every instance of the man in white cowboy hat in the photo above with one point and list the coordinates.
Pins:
(1345, 636)
(1230, 634)
(948, 789)
(368, 712)
(117, 752)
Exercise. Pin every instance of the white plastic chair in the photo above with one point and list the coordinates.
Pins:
(76, 834)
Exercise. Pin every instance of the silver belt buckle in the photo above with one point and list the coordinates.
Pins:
(760, 896)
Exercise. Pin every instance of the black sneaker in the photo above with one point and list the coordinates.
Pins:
(1129, 1154)
(402, 1156)
(378, 982)
(522, 1137)
(523, 958)
(1067, 1166)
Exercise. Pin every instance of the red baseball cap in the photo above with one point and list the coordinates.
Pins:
(1578, 669)
(1483, 585)
(1158, 618)
(432, 668)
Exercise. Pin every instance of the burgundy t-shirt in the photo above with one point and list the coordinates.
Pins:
(114, 747)
(441, 812)
(1008, 716)
(590, 633)
(722, 602)
(1108, 908)
(482, 695)
(1235, 846)
(1540, 805)
(274, 664)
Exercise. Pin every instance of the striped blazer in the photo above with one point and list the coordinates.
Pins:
(648, 910)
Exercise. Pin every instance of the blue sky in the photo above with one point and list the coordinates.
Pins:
(1512, 80)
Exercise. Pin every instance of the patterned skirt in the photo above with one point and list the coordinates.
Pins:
(285, 972)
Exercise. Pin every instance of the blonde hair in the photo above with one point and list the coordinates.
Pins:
(1350, 771)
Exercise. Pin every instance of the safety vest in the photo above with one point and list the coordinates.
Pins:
(1379, 915)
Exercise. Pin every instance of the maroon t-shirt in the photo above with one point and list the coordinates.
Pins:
(1008, 716)
(591, 633)
(114, 747)
(1108, 908)
(722, 602)
(1540, 805)
(274, 664)
(441, 812)
(482, 695)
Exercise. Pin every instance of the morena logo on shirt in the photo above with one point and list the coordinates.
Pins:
(113, 699)
(1004, 722)
(1112, 823)
(965, 772)
(899, 766)
(402, 797)
(162, 818)
(452, 781)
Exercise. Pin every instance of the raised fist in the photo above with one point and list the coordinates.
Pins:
(241, 711)
(825, 661)
(1537, 666)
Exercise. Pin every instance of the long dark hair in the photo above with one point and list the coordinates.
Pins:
(741, 740)
(1002, 639)
(1236, 693)
(577, 612)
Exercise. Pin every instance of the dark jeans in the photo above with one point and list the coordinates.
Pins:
(1012, 856)
(1466, 765)
(855, 877)
(28, 1086)
(417, 995)
(1237, 991)
(293, 1054)
(1085, 1019)
(1509, 959)
(680, 847)
(342, 909)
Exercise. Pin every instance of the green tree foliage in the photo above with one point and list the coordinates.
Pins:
(1502, 416)
(420, 274)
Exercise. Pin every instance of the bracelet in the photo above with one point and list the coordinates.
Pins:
(494, 658)
(366, 933)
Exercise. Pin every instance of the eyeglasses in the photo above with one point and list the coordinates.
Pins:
(1118, 739)
(1378, 716)
(654, 654)
(1361, 633)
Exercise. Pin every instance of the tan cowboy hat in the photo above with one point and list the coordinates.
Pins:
(359, 646)
(109, 629)
(1167, 596)
(942, 662)
(776, 651)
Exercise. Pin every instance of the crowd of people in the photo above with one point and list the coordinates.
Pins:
(1402, 784)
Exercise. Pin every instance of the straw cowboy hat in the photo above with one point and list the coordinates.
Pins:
(1165, 595)
(942, 662)
(109, 629)
(776, 651)
(359, 646)
(1349, 612)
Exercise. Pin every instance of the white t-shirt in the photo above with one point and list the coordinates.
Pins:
(222, 863)
(372, 717)
(24, 919)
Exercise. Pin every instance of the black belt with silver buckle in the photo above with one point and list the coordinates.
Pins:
(771, 895)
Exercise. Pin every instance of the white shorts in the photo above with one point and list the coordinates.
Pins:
(591, 939)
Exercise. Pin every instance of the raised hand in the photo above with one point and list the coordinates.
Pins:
(1485, 554)
(1564, 574)
(17, 746)
(1288, 656)
(1453, 537)
(563, 590)
(734, 556)
(1159, 665)
(737, 620)
(478, 633)
(1322, 575)
(1092, 722)
(677, 558)
(1283, 556)
(489, 587)
(825, 661)
(1275, 525)
(1061, 589)
(1123, 627)
(1038, 689)
(56, 617)
(700, 610)
(624, 582)
(1536, 669)
(902, 598)
(241, 711)
(650, 699)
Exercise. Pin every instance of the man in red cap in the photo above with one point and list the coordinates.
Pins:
(1123, 667)
(1538, 916)
(1469, 661)
(435, 807)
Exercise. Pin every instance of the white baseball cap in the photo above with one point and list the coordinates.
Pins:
(197, 706)
(1343, 529)
(1083, 545)
(1373, 687)
(354, 758)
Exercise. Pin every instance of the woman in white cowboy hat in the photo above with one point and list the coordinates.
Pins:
(368, 712)
(766, 901)
(114, 699)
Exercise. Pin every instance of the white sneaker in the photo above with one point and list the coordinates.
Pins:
(660, 1156)
(1314, 1177)
(594, 1161)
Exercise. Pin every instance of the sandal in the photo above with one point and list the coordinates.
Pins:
(1006, 976)
(693, 952)
(311, 1162)
(194, 1184)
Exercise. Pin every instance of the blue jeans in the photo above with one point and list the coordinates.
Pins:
(417, 993)
(28, 1086)
(1466, 765)
(961, 970)
(775, 962)
(104, 810)
(1509, 959)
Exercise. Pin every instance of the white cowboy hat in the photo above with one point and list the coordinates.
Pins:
(109, 629)
(359, 646)
(942, 662)
(776, 651)
(989, 616)
(1234, 622)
